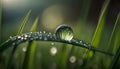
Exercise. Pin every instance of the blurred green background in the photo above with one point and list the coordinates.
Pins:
(81, 15)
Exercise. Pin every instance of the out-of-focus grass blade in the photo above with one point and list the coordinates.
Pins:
(83, 15)
(114, 40)
(115, 59)
(62, 64)
(0, 21)
(117, 34)
(19, 32)
(24, 22)
(33, 29)
(98, 32)
(29, 55)
(84, 10)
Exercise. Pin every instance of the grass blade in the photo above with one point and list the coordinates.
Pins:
(19, 32)
(33, 29)
(84, 10)
(29, 55)
(24, 22)
(98, 32)
(0, 21)
(115, 59)
(114, 36)
(117, 34)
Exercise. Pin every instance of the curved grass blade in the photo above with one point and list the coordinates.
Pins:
(19, 32)
(117, 34)
(62, 64)
(38, 36)
(29, 55)
(24, 22)
(84, 10)
(114, 38)
(98, 32)
(115, 59)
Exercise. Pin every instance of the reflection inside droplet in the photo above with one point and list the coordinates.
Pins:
(72, 59)
(53, 51)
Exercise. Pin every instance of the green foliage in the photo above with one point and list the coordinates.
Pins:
(99, 29)
(97, 36)
(117, 34)
(19, 32)
(29, 55)
(0, 21)
(24, 22)
(68, 48)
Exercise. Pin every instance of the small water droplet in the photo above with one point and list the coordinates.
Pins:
(64, 32)
(25, 35)
(40, 37)
(85, 45)
(19, 37)
(81, 41)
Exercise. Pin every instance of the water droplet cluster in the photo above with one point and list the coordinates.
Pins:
(63, 33)
(32, 36)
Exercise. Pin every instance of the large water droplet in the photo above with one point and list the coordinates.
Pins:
(64, 32)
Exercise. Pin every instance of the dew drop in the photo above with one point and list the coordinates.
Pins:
(45, 38)
(19, 37)
(81, 41)
(64, 32)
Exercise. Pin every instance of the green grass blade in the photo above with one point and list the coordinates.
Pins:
(0, 21)
(115, 59)
(19, 32)
(63, 57)
(114, 36)
(84, 10)
(98, 32)
(117, 34)
(33, 29)
(29, 56)
(24, 22)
